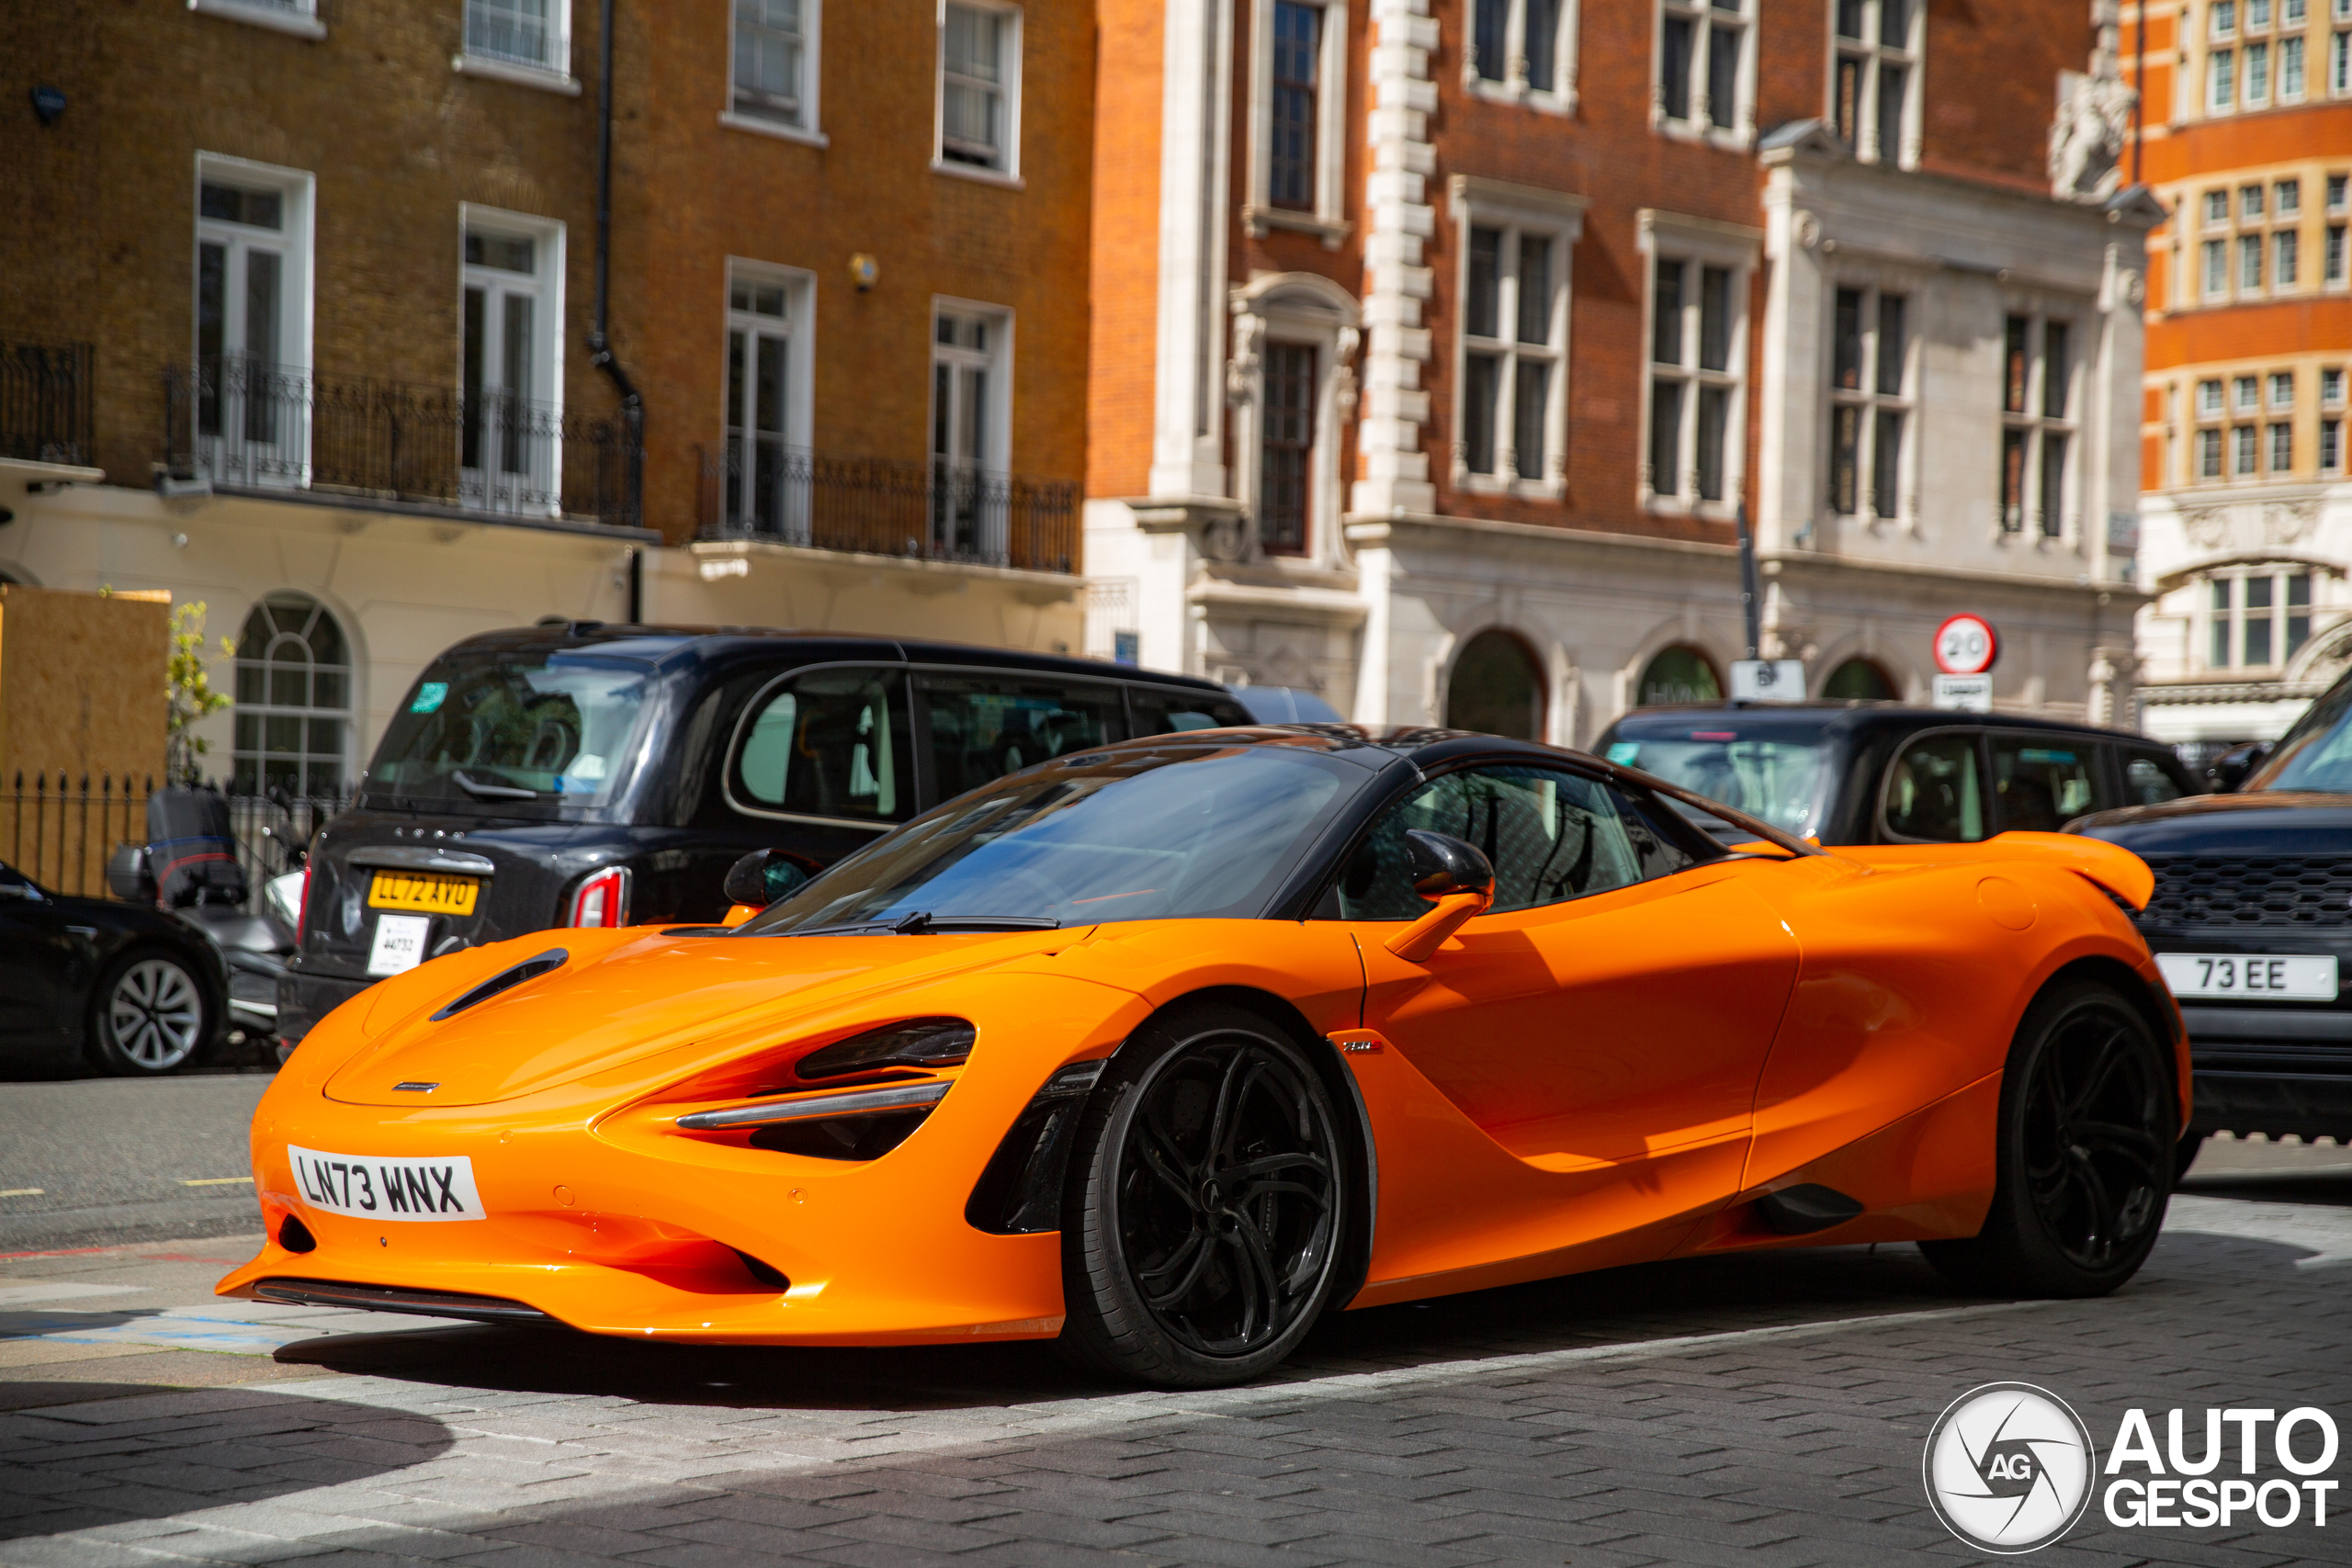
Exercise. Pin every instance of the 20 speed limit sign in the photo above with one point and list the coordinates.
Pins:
(1966, 644)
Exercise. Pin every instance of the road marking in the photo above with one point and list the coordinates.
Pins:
(20, 1192)
(205, 1181)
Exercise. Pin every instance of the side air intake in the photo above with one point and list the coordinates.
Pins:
(1801, 1210)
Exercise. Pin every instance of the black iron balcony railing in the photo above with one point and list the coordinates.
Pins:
(754, 489)
(243, 424)
(45, 401)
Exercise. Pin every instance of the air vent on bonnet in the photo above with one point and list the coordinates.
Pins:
(505, 980)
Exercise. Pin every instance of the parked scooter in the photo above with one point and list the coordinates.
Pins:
(189, 865)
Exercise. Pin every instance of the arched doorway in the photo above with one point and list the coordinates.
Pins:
(293, 707)
(1860, 679)
(1678, 674)
(1496, 688)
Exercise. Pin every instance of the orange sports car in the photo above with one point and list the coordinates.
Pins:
(1166, 1047)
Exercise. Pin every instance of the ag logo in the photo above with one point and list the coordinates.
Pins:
(2009, 1467)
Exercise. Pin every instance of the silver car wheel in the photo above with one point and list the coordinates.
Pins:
(156, 1014)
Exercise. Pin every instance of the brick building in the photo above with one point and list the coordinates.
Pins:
(2247, 138)
(313, 311)
(1437, 342)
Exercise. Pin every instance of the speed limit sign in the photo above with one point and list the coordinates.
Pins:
(1966, 644)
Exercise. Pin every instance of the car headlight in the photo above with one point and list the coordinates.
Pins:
(918, 1043)
(852, 1098)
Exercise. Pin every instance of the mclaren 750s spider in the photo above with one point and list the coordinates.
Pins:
(1166, 1047)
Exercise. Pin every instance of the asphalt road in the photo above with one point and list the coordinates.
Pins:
(100, 1161)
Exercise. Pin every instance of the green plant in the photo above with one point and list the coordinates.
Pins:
(188, 692)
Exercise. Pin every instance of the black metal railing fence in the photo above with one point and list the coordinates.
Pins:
(46, 401)
(60, 830)
(755, 489)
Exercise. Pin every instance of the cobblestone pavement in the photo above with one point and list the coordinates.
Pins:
(1767, 1410)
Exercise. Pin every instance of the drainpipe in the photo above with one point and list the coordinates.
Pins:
(600, 352)
(2139, 86)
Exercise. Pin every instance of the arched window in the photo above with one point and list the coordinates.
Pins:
(1496, 688)
(1678, 674)
(1860, 678)
(293, 698)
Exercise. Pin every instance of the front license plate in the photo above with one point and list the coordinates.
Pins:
(399, 943)
(375, 1187)
(2250, 976)
(425, 890)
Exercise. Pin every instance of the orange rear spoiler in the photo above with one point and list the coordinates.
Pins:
(2110, 866)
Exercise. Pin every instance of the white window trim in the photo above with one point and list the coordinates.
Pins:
(799, 330)
(1015, 52)
(2077, 316)
(1478, 202)
(299, 190)
(1911, 55)
(552, 78)
(1310, 310)
(1741, 134)
(1704, 241)
(1910, 401)
(813, 35)
(1328, 222)
(1001, 316)
(1514, 89)
(299, 18)
(549, 235)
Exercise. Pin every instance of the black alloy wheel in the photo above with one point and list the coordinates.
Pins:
(1208, 1204)
(2086, 1142)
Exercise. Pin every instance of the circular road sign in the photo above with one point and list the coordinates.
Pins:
(1966, 644)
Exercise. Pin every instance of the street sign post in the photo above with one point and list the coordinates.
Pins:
(1965, 694)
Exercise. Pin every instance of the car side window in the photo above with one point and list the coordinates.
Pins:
(1552, 836)
(830, 743)
(1164, 711)
(15, 884)
(984, 726)
(2145, 782)
(1934, 791)
(2040, 782)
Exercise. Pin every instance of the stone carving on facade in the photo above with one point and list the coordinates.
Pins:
(1343, 372)
(2208, 527)
(2288, 522)
(2088, 135)
(1242, 370)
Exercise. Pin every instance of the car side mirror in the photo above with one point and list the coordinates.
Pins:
(1454, 875)
(764, 876)
(2230, 770)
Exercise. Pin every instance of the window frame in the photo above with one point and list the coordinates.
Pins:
(548, 277)
(2038, 426)
(264, 708)
(798, 331)
(809, 127)
(2231, 621)
(551, 70)
(1518, 211)
(1699, 125)
(1327, 219)
(1874, 57)
(1514, 86)
(905, 773)
(1698, 243)
(1977, 739)
(1007, 170)
(1303, 310)
(297, 190)
(1873, 405)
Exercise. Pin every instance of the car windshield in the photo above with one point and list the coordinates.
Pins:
(1781, 775)
(2316, 751)
(1162, 833)
(510, 727)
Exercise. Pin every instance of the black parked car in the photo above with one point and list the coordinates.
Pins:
(606, 775)
(129, 989)
(2252, 922)
(1877, 773)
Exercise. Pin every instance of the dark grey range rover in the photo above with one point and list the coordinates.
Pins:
(607, 775)
(2252, 923)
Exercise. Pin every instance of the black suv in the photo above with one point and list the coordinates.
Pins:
(2252, 923)
(606, 775)
(1877, 773)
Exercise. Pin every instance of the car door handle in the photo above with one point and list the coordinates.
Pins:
(90, 931)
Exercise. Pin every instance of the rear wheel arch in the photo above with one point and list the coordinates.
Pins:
(1363, 1163)
(2126, 982)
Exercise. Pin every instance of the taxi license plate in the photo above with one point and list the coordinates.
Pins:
(426, 890)
(2250, 976)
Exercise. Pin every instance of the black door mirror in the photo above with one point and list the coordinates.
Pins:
(764, 876)
(2234, 767)
(1440, 863)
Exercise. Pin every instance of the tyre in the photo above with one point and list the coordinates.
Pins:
(2185, 1155)
(2089, 1122)
(149, 1015)
(1207, 1204)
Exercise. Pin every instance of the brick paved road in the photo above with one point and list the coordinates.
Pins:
(1765, 1410)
